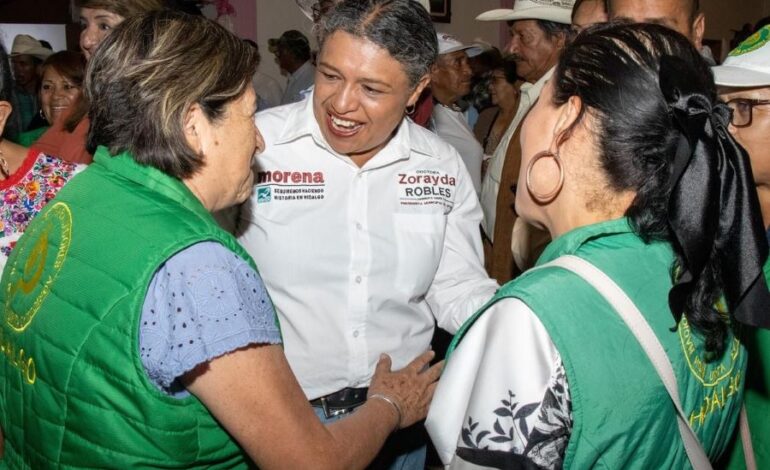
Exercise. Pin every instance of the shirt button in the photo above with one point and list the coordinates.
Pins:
(358, 279)
(359, 226)
(355, 334)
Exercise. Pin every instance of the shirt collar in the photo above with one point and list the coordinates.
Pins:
(571, 241)
(300, 122)
(532, 90)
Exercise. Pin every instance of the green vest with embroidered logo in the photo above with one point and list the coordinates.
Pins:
(75, 393)
(622, 414)
(757, 398)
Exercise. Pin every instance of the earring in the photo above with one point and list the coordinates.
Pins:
(4, 165)
(410, 109)
(550, 196)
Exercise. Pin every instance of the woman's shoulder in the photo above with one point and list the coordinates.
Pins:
(26, 139)
(429, 143)
(271, 122)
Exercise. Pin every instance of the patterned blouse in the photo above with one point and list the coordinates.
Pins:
(26, 191)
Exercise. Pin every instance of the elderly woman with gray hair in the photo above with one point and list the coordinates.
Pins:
(137, 332)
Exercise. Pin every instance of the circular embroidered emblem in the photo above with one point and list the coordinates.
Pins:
(34, 264)
(709, 373)
(753, 42)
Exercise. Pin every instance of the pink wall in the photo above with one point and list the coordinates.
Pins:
(245, 20)
(504, 34)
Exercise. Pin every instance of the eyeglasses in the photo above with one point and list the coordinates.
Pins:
(743, 110)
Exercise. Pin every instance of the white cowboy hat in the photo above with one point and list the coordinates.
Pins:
(558, 11)
(24, 44)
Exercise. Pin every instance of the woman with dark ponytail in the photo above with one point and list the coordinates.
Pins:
(622, 347)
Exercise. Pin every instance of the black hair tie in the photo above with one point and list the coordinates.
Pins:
(713, 202)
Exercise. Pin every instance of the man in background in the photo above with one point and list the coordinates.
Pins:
(683, 16)
(450, 80)
(292, 52)
(539, 32)
(26, 55)
(587, 13)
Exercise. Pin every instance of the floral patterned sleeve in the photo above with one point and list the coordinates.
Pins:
(503, 400)
(26, 192)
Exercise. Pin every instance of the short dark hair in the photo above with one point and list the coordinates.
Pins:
(580, 2)
(300, 51)
(615, 71)
(401, 27)
(694, 7)
(551, 28)
(146, 76)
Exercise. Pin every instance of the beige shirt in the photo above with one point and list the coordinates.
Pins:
(491, 184)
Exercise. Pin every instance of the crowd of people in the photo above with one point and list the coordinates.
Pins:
(204, 269)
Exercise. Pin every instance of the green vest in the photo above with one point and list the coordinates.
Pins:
(757, 398)
(622, 414)
(75, 393)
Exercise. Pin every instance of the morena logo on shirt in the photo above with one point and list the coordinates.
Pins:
(281, 185)
(277, 176)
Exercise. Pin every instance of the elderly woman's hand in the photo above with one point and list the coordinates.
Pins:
(409, 390)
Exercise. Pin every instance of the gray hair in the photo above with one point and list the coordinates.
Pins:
(401, 27)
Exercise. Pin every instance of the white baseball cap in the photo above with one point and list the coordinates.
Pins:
(558, 11)
(448, 44)
(748, 65)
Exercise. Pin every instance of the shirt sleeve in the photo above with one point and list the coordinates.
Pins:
(503, 400)
(461, 285)
(203, 302)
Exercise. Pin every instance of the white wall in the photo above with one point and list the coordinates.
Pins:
(277, 16)
(53, 33)
(723, 16)
(466, 28)
(273, 18)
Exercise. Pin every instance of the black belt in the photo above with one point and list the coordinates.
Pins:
(341, 402)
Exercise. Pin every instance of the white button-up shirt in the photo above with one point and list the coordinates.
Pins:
(452, 126)
(299, 81)
(361, 261)
(491, 184)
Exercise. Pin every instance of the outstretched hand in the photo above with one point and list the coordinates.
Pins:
(411, 388)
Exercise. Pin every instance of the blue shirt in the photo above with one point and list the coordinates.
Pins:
(202, 303)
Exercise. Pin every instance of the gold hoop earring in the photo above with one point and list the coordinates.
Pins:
(550, 196)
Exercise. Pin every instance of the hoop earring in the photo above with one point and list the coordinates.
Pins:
(548, 197)
(410, 109)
